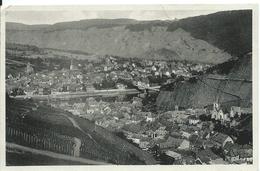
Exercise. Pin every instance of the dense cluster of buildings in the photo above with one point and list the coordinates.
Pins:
(108, 73)
(179, 134)
(229, 118)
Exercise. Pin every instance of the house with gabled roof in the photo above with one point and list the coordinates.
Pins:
(205, 156)
(175, 143)
(220, 139)
(173, 154)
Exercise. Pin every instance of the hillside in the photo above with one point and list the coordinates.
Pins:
(203, 39)
(53, 125)
(204, 90)
(119, 41)
(230, 31)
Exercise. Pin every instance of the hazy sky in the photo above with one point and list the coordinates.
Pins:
(51, 17)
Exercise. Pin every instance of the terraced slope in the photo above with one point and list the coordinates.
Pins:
(96, 143)
(205, 90)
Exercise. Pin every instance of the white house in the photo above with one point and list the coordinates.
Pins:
(193, 120)
(150, 118)
(173, 154)
(185, 144)
(186, 134)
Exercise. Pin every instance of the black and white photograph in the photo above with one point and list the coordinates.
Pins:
(129, 86)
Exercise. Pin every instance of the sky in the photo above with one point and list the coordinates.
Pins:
(50, 17)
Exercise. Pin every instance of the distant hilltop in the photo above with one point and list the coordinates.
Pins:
(213, 38)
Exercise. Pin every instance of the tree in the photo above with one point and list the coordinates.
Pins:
(165, 159)
(205, 117)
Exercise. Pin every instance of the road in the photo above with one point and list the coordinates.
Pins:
(76, 125)
(77, 146)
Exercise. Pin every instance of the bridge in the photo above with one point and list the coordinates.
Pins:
(155, 88)
(92, 93)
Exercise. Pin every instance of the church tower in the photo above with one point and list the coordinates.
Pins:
(71, 65)
(29, 68)
(216, 105)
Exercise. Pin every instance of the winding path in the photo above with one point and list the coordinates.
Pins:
(76, 125)
(77, 146)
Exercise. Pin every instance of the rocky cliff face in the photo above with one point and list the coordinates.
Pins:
(205, 90)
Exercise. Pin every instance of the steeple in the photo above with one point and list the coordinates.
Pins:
(71, 65)
(216, 104)
(29, 68)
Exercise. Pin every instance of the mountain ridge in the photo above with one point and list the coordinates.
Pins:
(120, 42)
(215, 37)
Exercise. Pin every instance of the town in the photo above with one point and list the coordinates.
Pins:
(207, 135)
(190, 136)
(104, 73)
